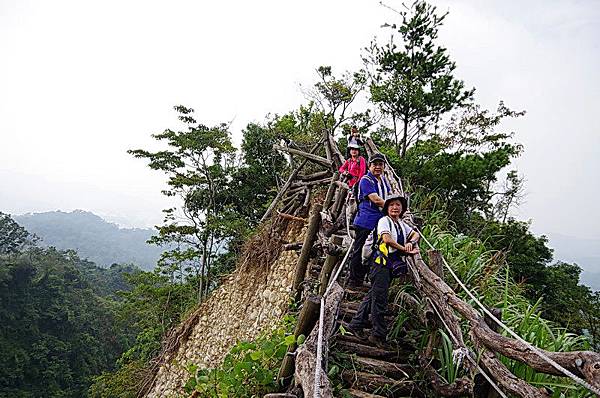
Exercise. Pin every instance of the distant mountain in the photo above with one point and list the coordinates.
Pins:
(92, 237)
(583, 252)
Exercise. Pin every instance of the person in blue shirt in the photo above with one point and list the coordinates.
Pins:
(372, 191)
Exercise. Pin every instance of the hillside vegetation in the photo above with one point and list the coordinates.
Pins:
(71, 329)
(93, 238)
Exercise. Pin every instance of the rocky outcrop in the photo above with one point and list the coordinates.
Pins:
(250, 301)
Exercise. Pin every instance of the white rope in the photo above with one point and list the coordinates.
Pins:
(317, 386)
(558, 367)
(468, 356)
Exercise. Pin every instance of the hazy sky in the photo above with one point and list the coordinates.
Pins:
(81, 82)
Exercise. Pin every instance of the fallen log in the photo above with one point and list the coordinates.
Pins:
(307, 155)
(585, 364)
(374, 383)
(322, 181)
(288, 183)
(315, 176)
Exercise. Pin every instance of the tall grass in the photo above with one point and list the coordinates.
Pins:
(486, 273)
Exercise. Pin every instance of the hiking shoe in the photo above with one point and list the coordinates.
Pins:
(379, 342)
(360, 333)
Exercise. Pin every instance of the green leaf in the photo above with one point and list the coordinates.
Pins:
(290, 340)
(301, 339)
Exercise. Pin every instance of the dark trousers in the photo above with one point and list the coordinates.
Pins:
(374, 303)
(358, 270)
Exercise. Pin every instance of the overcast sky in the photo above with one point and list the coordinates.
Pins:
(81, 82)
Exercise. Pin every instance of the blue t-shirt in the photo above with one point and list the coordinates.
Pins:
(368, 212)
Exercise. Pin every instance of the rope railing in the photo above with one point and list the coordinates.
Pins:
(514, 335)
(470, 354)
(468, 311)
(319, 359)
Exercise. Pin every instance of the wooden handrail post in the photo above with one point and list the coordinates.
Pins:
(309, 239)
(308, 317)
(328, 266)
(435, 262)
(331, 190)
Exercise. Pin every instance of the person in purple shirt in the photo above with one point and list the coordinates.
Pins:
(372, 191)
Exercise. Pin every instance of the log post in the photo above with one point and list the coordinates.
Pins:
(338, 158)
(340, 199)
(331, 190)
(308, 317)
(328, 266)
(436, 263)
(311, 235)
(304, 374)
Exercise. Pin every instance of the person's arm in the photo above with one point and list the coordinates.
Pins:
(376, 199)
(411, 243)
(388, 240)
(344, 166)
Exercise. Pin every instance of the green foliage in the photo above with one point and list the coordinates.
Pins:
(249, 369)
(412, 80)
(484, 272)
(123, 383)
(13, 237)
(57, 333)
(449, 368)
(152, 306)
(460, 165)
(198, 163)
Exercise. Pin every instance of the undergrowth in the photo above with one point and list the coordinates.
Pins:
(487, 274)
(249, 369)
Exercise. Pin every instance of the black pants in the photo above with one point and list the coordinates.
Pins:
(358, 270)
(374, 303)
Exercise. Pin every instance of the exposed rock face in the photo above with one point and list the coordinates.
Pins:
(248, 302)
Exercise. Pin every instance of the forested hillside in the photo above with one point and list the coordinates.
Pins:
(60, 326)
(93, 238)
(72, 329)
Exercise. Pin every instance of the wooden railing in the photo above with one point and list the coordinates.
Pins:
(444, 308)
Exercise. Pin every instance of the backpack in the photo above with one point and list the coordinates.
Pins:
(376, 252)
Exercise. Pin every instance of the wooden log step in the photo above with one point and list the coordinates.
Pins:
(380, 384)
(360, 394)
(362, 349)
(357, 289)
(392, 370)
(353, 306)
(348, 310)
(401, 349)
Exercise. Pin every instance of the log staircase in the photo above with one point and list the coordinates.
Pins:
(399, 370)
